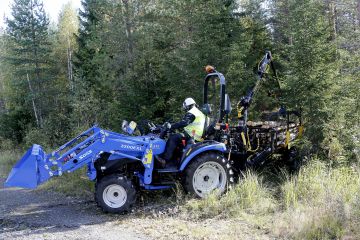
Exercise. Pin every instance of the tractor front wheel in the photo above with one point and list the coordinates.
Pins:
(209, 172)
(115, 194)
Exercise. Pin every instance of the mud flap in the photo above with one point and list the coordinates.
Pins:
(30, 171)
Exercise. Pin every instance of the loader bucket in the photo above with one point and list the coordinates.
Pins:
(30, 170)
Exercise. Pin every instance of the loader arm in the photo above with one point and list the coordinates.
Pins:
(36, 167)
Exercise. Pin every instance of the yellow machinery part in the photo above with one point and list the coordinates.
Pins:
(239, 110)
(287, 139)
(243, 138)
(149, 156)
(301, 131)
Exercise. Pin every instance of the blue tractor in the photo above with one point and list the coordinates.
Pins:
(122, 164)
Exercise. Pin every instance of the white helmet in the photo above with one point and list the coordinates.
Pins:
(188, 103)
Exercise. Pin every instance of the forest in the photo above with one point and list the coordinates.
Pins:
(139, 59)
(135, 60)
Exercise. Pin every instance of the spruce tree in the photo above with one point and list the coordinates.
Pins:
(310, 62)
(29, 54)
(86, 69)
(345, 124)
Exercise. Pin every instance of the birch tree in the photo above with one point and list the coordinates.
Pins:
(27, 29)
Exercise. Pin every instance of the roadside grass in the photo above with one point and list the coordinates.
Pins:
(249, 196)
(8, 158)
(74, 184)
(319, 202)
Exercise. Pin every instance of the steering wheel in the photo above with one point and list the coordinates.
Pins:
(161, 130)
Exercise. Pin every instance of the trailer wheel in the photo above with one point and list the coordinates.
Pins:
(209, 172)
(293, 160)
(115, 194)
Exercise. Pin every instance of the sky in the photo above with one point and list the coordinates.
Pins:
(52, 8)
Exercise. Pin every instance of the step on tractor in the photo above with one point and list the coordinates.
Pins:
(123, 164)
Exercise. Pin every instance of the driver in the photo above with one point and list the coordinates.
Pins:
(193, 124)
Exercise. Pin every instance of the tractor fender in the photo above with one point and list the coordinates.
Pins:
(200, 148)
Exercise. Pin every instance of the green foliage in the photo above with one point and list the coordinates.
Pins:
(28, 54)
(311, 67)
(13, 124)
(159, 64)
(138, 60)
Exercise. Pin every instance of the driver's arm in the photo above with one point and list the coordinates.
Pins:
(186, 120)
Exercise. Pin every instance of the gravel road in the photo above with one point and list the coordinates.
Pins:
(27, 214)
(40, 214)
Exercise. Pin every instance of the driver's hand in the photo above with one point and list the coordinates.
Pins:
(153, 128)
(167, 125)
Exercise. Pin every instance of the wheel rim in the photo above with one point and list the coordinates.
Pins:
(208, 177)
(114, 196)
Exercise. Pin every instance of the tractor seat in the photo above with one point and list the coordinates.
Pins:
(209, 129)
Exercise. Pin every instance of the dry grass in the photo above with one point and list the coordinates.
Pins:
(318, 203)
(8, 158)
(74, 184)
(248, 196)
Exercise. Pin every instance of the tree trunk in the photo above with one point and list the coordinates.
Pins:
(33, 100)
(332, 18)
(331, 12)
(128, 32)
(37, 67)
(358, 11)
(69, 65)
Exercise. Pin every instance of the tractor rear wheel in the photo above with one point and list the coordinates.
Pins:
(115, 194)
(210, 171)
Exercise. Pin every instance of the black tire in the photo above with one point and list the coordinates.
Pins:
(293, 160)
(115, 194)
(198, 172)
